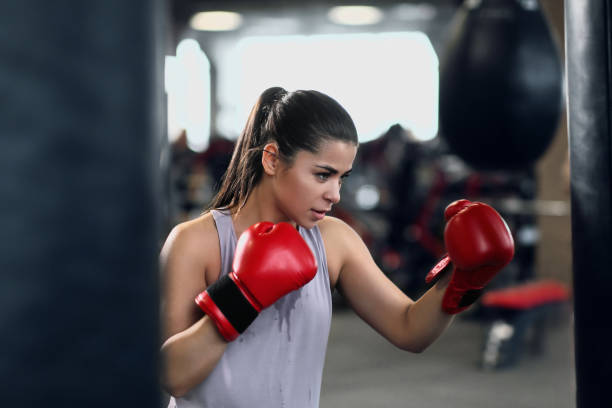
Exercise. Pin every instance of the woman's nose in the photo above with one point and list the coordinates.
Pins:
(333, 193)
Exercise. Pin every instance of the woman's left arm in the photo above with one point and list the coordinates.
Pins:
(408, 324)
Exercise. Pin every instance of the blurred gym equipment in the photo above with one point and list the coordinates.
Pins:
(500, 84)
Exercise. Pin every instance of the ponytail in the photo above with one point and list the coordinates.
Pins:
(244, 172)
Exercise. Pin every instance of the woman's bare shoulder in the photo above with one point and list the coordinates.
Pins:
(189, 261)
(195, 239)
(338, 239)
(193, 231)
(335, 228)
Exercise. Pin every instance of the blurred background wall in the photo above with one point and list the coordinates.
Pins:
(548, 244)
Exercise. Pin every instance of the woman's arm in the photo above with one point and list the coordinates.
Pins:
(409, 325)
(193, 345)
(189, 356)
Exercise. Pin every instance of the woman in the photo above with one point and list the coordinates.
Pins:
(286, 170)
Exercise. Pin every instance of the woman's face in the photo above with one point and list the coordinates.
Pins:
(308, 188)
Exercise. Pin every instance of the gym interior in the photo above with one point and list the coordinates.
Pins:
(120, 118)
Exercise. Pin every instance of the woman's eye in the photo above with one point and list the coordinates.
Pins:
(323, 176)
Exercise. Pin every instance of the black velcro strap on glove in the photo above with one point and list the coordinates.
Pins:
(230, 301)
(470, 297)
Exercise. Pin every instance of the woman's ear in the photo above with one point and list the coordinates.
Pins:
(270, 158)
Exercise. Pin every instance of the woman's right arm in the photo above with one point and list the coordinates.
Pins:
(192, 345)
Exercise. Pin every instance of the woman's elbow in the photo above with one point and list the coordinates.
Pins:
(415, 349)
(173, 384)
(412, 346)
(176, 390)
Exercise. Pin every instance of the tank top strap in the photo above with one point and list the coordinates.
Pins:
(315, 241)
(227, 238)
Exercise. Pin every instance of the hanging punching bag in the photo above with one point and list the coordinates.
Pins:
(500, 84)
(80, 90)
(588, 40)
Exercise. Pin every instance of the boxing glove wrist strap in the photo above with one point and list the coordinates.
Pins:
(456, 301)
(230, 301)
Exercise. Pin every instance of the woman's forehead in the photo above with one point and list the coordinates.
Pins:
(332, 152)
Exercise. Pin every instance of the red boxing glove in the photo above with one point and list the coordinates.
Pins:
(479, 244)
(270, 261)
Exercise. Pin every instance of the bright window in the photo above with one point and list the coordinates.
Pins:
(187, 84)
(381, 79)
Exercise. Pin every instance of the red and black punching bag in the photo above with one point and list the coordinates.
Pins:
(500, 84)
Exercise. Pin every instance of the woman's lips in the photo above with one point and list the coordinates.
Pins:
(318, 214)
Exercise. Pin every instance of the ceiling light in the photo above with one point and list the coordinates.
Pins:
(355, 15)
(216, 21)
(411, 12)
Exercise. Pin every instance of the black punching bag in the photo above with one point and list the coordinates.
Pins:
(588, 41)
(500, 84)
(79, 133)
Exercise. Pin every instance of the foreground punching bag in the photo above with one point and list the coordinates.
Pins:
(500, 84)
(588, 41)
(80, 96)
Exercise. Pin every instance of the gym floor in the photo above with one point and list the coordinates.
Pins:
(364, 370)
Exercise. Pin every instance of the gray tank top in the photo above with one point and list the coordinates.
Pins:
(278, 361)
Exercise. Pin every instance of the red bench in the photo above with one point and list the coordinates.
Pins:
(527, 296)
(518, 312)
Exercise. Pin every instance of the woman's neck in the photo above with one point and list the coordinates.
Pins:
(260, 206)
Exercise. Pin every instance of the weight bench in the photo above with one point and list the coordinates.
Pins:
(519, 315)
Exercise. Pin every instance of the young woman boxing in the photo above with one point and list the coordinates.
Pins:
(247, 295)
